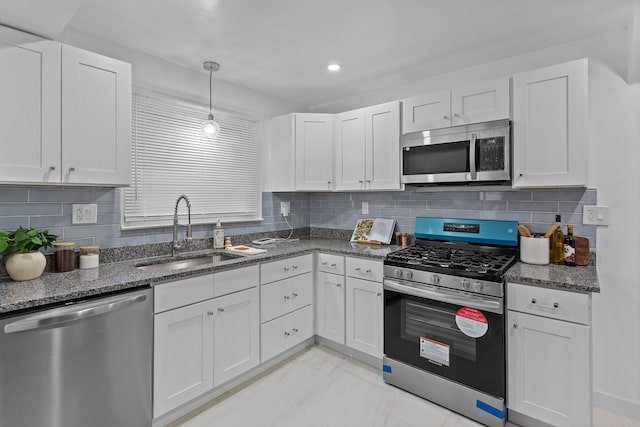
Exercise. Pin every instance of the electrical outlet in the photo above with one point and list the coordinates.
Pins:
(595, 215)
(84, 214)
(285, 208)
(365, 208)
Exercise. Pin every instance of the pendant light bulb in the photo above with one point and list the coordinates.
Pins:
(210, 128)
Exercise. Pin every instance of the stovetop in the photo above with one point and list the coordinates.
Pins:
(455, 258)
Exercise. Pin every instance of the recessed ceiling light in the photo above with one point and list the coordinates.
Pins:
(333, 67)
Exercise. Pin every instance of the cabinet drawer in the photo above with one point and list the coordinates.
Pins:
(284, 296)
(235, 280)
(552, 303)
(331, 263)
(285, 332)
(278, 270)
(167, 296)
(367, 269)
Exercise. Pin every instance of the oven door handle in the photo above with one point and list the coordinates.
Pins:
(476, 301)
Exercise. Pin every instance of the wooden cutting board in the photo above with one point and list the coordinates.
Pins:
(582, 251)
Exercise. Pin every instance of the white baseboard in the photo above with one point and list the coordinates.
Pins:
(617, 405)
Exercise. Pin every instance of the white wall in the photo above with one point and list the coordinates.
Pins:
(614, 151)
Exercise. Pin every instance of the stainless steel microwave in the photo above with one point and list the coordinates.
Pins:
(479, 153)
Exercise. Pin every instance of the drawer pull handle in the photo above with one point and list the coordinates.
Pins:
(294, 267)
(286, 334)
(555, 304)
(286, 269)
(295, 330)
(294, 295)
(357, 268)
(209, 313)
(367, 271)
(221, 310)
(325, 263)
(286, 297)
(339, 285)
(333, 265)
(515, 326)
(379, 294)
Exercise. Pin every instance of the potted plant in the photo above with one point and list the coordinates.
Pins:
(20, 252)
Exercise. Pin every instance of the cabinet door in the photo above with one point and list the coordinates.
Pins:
(314, 152)
(364, 316)
(96, 118)
(550, 126)
(382, 136)
(183, 355)
(350, 150)
(428, 111)
(236, 346)
(549, 369)
(330, 306)
(29, 108)
(480, 102)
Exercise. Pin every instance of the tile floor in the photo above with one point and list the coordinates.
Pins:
(320, 387)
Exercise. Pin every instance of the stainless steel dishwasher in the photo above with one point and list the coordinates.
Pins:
(86, 363)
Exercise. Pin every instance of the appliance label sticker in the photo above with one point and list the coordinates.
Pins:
(434, 351)
(471, 322)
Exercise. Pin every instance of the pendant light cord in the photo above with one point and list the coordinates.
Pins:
(210, 95)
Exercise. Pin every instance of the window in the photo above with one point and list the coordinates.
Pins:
(170, 157)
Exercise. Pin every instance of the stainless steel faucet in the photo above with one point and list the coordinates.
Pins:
(175, 247)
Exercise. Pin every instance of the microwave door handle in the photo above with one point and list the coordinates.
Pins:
(472, 157)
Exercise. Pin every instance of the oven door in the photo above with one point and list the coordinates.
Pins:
(456, 335)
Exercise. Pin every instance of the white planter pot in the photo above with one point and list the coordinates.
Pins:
(27, 266)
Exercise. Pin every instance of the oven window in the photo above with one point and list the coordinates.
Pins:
(437, 324)
(423, 333)
(452, 157)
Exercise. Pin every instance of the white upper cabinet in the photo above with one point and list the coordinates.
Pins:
(65, 113)
(29, 108)
(550, 110)
(367, 145)
(472, 103)
(314, 152)
(96, 118)
(279, 157)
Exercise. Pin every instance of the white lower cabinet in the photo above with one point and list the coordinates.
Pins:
(330, 308)
(284, 332)
(236, 335)
(549, 356)
(364, 316)
(201, 342)
(183, 354)
(364, 306)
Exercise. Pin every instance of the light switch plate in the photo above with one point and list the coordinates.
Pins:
(84, 214)
(595, 215)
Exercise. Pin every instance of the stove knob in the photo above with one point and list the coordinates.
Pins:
(397, 273)
(477, 286)
(435, 279)
(465, 284)
(408, 275)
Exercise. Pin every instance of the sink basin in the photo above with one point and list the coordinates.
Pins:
(179, 264)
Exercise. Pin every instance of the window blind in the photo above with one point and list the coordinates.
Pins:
(170, 157)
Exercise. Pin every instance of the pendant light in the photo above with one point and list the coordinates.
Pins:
(210, 128)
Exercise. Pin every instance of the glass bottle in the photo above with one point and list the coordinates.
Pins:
(557, 246)
(570, 247)
(64, 257)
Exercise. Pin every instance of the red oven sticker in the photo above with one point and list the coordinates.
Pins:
(471, 322)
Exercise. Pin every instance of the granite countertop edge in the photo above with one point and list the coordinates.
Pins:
(55, 288)
(582, 279)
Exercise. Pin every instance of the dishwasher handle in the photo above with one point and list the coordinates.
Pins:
(70, 314)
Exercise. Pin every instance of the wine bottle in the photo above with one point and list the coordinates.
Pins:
(570, 247)
(557, 246)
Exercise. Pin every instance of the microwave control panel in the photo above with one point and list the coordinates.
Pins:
(490, 154)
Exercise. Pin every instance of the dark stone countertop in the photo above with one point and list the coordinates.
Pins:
(582, 279)
(53, 288)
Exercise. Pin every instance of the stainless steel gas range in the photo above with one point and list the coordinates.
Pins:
(444, 326)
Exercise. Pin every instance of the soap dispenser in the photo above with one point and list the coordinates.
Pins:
(218, 236)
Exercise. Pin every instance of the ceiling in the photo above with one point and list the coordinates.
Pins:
(282, 47)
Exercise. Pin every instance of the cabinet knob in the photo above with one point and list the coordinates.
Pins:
(295, 330)
(209, 313)
(286, 269)
(457, 115)
(334, 265)
(325, 263)
(533, 300)
(286, 334)
(445, 117)
(367, 271)
(294, 267)
(360, 181)
(286, 297)
(556, 305)
(515, 326)
(339, 285)
(294, 295)
(379, 294)
(52, 168)
(71, 169)
(357, 268)
(220, 310)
